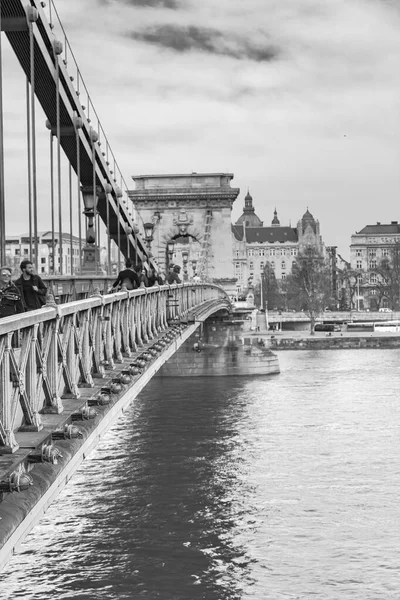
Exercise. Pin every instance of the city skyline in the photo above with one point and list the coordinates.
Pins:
(299, 101)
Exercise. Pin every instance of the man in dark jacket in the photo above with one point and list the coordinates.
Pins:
(128, 277)
(31, 287)
(153, 278)
(10, 298)
(173, 277)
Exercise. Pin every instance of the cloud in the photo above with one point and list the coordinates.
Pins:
(266, 89)
(188, 38)
(171, 4)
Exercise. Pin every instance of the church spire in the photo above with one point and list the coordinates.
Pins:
(275, 221)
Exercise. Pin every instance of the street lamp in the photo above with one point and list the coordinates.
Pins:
(170, 250)
(185, 257)
(148, 233)
(128, 231)
(356, 280)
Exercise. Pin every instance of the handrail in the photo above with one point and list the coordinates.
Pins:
(58, 349)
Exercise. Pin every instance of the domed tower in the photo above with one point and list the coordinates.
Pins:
(308, 233)
(249, 217)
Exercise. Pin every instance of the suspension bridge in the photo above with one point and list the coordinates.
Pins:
(69, 369)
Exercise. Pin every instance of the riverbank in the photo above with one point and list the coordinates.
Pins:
(302, 340)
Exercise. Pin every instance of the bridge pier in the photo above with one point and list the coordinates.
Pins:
(221, 348)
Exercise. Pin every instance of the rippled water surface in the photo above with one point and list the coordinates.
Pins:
(283, 487)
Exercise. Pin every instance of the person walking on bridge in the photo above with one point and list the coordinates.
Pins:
(31, 287)
(127, 277)
(10, 297)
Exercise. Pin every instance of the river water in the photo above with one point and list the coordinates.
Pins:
(267, 488)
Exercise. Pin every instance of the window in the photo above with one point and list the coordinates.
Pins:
(293, 251)
(372, 292)
(358, 252)
(251, 265)
(283, 265)
(237, 265)
(372, 264)
(250, 252)
(359, 264)
(272, 252)
(262, 252)
(237, 254)
(43, 270)
(262, 265)
(283, 276)
(273, 264)
(373, 278)
(385, 252)
(43, 261)
(26, 251)
(17, 252)
(371, 252)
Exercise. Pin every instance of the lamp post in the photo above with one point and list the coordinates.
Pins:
(128, 231)
(148, 234)
(170, 250)
(91, 250)
(185, 257)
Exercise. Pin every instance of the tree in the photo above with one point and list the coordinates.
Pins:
(268, 292)
(308, 286)
(388, 277)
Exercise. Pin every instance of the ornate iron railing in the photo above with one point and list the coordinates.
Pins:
(49, 354)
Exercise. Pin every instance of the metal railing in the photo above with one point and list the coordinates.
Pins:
(51, 353)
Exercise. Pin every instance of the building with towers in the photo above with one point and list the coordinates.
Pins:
(255, 244)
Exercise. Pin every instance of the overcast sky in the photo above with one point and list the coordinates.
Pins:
(299, 99)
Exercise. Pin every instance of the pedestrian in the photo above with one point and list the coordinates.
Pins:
(196, 278)
(143, 278)
(10, 297)
(170, 273)
(173, 277)
(127, 277)
(31, 287)
(153, 278)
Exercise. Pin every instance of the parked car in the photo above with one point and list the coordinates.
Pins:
(385, 309)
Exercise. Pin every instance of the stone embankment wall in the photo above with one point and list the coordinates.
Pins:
(220, 349)
(333, 343)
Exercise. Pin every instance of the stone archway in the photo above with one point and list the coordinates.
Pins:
(186, 253)
(197, 205)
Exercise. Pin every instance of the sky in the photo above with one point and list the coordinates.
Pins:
(299, 99)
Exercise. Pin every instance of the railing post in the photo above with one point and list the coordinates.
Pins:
(55, 405)
(8, 443)
(117, 334)
(31, 382)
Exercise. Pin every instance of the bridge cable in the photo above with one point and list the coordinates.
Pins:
(118, 232)
(2, 191)
(71, 246)
(57, 48)
(78, 125)
(33, 15)
(28, 142)
(93, 136)
(53, 225)
(108, 187)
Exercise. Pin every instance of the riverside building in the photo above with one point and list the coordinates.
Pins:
(255, 244)
(374, 260)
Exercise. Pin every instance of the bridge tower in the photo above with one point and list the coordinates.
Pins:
(191, 219)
